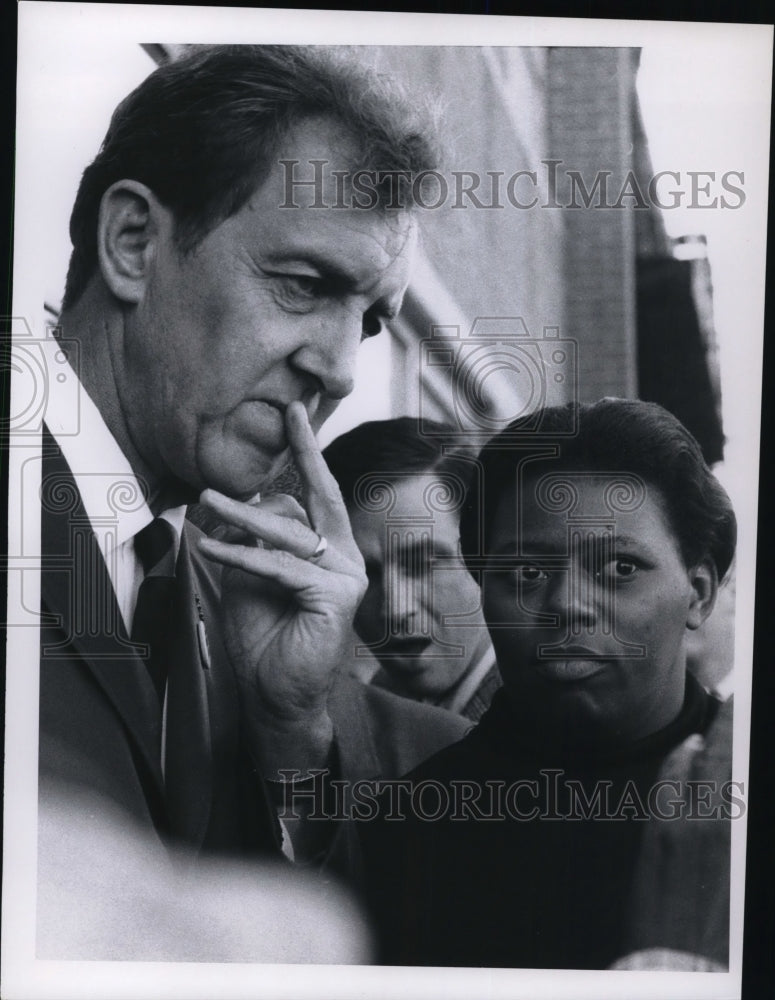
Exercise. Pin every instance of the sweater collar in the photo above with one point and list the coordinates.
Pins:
(497, 729)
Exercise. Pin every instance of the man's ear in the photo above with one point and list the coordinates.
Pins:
(704, 580)
(131, 222)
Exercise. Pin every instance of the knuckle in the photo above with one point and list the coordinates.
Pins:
(283, 559)
(299, 532)
(245, 559)
(283, 504)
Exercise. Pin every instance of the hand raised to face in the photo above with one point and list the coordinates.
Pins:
(287, 614)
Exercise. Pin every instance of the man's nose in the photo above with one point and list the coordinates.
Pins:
(405, 593)
(330, 353)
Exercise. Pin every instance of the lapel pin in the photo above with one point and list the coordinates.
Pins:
(201, 633)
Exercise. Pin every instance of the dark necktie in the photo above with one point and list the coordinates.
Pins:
(155, 547)
(165, 619)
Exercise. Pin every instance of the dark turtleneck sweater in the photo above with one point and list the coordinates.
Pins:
(543, 884)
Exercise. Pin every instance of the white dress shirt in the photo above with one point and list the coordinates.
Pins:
(111, 494)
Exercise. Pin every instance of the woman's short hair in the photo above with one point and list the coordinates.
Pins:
(616, 436)
(201, 132)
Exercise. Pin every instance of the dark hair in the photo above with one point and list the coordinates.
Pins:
(612, 435)
(200, 132)
(396, 448)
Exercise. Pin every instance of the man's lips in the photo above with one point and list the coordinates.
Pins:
(264, 422)
(274, 404)
(409, 646)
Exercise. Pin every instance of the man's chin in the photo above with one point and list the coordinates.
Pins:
(410, 676)
(285, 478)
(242, 480)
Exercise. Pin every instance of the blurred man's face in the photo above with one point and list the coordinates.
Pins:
(421, 614)
(270, 307)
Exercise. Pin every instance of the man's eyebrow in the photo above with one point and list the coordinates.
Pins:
(627, 541)
(387, 307)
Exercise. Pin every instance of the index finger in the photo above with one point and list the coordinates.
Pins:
(321, 494)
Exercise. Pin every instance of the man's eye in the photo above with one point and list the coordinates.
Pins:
(373, 571)
(371, 327)
(374, 322)
(300, 289)
(619, 569)
(304, 285)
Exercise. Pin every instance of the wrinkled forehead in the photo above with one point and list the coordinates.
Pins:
(300, 211)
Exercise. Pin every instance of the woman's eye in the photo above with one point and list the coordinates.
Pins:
(529, 574)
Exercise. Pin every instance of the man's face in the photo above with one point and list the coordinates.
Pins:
(269, 308)
(405, 614)
(598, 591)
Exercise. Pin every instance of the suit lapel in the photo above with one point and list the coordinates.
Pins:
(76, 590)
(358, 756)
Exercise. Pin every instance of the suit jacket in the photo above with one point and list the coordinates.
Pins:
(100, 722)
(381, 735)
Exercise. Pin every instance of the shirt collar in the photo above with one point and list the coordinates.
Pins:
(111, 494)
(457, 699)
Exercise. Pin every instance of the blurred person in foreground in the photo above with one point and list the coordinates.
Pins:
(586, 820)
(113, 894)
(421, 614)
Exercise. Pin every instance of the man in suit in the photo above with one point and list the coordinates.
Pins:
(223, 275)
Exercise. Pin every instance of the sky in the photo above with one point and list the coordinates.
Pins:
(716, 86)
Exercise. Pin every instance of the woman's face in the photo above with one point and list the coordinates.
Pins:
(588, 611)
